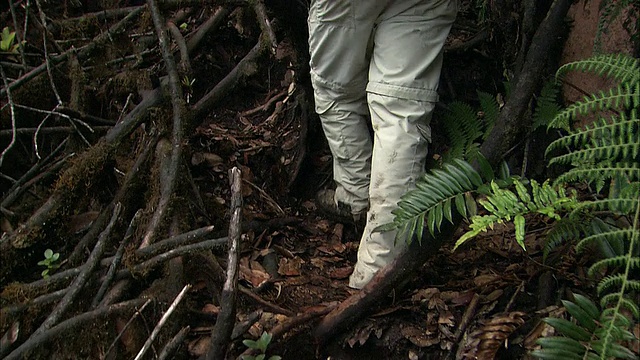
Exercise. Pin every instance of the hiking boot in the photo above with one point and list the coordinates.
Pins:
(340, 212)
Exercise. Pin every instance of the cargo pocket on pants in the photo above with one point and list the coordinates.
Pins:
(335, 12)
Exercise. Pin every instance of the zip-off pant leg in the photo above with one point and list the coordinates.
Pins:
(339, 45)
(403, 80)
(392, 52)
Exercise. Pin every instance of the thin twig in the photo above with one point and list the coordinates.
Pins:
(14, 17)
(82, 52)
(159, 259)
(50, 130)
(43, 20)
(162, 321)
(14, 192)
(173, 344)
(126, 326)
(116, 261)
(13, 115)
(269, 305)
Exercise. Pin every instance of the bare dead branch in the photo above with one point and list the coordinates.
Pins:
(169, 170)
(162, 321)
(265, 24)
(13, 116)
(116, 260)
(185, 62)
(173, 344)
(221, 334)
(135, 315)
(245, 68)
(82, 52)
(268, 305)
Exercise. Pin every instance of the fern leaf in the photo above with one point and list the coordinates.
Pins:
(429, 204)
(546, 105)
(627, 170)
(622, 234)
(565, 230)
(620, 67)
(491, 111)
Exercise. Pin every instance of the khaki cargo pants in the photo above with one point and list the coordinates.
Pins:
(380, 61)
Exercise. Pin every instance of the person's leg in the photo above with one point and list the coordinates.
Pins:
(338, 43)
(402, 92)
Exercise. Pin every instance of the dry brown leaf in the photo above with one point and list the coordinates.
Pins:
(252, 272)
(419, 337)
(484, 343)
(341, 273)
(424, 294)
(485, 279)
(493, 296)
(198, 347)
(463, 298)
(211, 309)
(290, 267)
(318, 262)
(446, 318)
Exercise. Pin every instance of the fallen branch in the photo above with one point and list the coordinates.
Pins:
(221, 334)
(170, 348)
(245, 68)
(116, 260)
(265, 24)
(82, 52)
(126, 326)
(16, 189)
(169, 169)
(124, 192)
(162, 321)
(50, 130)
(268, 305)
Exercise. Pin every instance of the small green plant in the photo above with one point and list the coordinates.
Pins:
(50, 261)
(259, 345)
(187, 84)
(7, 41)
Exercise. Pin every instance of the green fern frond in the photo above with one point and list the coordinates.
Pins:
(617, 128)
(436, 195)
(595, 334)
(627, 170)
(623, 96)
(504, 205)
(620, 67)
(546, 105)
(617, 205)
(608, 236)
(564, 230)
(491, 111)
(462, 127)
